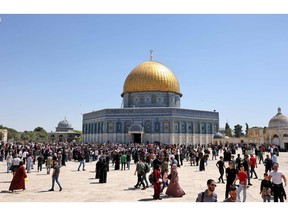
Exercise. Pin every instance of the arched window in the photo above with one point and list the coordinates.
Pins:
(60, 138)
(183, 127)
(157, 126)
(119, 127)
(95, 128)
(110, 127)
(166, 127)
(148, 127)
(176, 129)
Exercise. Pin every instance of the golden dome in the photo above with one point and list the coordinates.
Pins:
(151, 76)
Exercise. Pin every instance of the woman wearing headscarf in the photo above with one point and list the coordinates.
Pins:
(103, 170)
(98, 166)
(18, 181)
(174, 188)
(117, 161)
(202, 164)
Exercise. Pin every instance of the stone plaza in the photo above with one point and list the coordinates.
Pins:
(81, 186)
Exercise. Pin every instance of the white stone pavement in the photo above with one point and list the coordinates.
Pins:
(81, 186)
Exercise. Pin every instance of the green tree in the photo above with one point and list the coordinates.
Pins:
(228, 131)
(80, 137)
(238, 130)
(40, 135)
(25, 136)
(38, 129)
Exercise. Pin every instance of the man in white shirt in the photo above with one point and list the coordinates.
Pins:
(277, 185)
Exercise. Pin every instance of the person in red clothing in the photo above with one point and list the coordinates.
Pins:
(18, 181)
(157, 182)
(253, 164)
(242, 177)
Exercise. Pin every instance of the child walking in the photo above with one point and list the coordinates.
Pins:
(265, 188)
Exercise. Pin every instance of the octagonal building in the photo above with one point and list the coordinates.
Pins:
(151, 112)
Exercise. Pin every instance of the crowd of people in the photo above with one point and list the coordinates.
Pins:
(161, 161)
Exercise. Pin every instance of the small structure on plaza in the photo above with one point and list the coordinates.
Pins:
(3, 135)
(218, 138)
(64, 133)
(275, 134)
(277, 131)
(151, 112)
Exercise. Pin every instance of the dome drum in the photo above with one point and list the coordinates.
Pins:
(151, 99)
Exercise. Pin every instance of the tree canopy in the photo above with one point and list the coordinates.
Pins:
(228, 130)
(238, 130)
(38, 135)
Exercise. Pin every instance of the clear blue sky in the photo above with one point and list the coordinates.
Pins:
(52, 66)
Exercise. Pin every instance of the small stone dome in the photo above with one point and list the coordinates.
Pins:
(218, 136)
(64, 124)
(279, 120)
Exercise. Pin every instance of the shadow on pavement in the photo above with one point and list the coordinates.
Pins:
(5, 191)
(131, 188)
(151, 199)
(44, 191)
(5, 182)
(146, 200)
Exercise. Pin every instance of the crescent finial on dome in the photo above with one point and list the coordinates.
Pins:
(151, 51)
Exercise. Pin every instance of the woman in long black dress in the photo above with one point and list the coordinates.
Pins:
(98, 166)
(117, 161)
(107, 160)
(202, 164)
(103, 171)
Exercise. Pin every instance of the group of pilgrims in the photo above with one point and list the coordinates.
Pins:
(104, 153)
(118, 154)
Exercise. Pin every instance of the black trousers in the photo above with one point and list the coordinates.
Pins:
(228, 185)
(278, 192)
(140, 181)
(221, 175)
